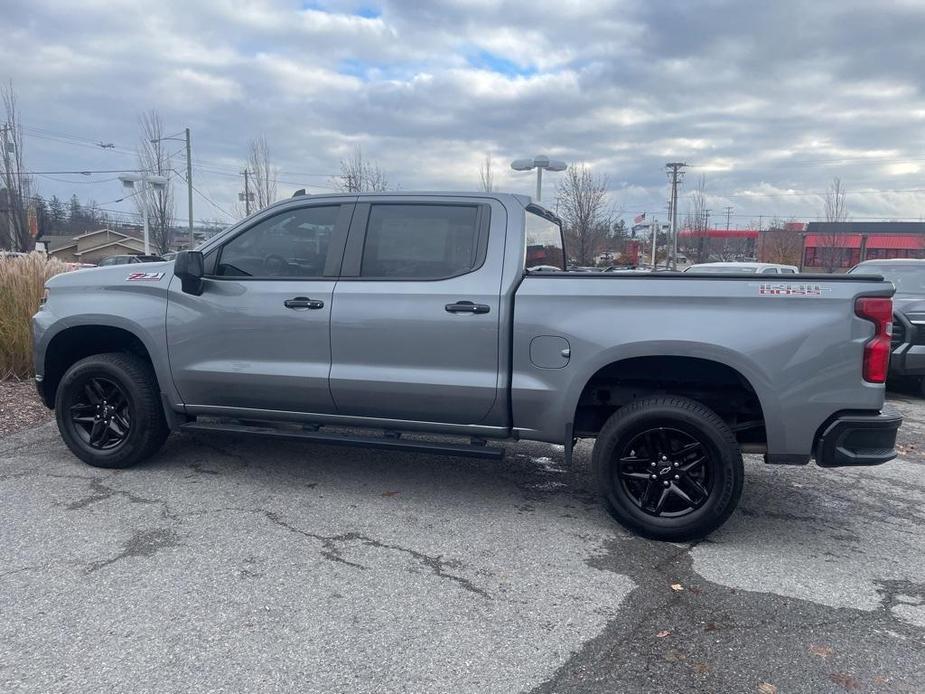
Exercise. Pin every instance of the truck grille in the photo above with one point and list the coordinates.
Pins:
(899, 333)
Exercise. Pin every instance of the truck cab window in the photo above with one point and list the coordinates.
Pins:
(544, 243)
(424, 242)
(293, 244)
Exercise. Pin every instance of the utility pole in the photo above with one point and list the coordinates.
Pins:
(675, 174)
(728, 215)
(706, 220)
(189, 186)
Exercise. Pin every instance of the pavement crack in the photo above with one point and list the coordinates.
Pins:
(332, 547)
(102, 492)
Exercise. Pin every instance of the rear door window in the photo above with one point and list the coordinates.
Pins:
(421, 242)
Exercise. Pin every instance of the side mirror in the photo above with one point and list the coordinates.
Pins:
(188, 266)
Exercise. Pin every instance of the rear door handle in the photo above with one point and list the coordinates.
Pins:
(303, 302)
(467, 307)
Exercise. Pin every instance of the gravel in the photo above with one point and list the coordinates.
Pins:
(20, 407)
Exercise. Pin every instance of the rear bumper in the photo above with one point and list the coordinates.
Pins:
(859, 439)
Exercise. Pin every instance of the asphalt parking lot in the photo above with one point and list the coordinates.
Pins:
(230, 564)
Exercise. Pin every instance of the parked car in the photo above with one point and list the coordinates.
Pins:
(128, 259)
(11, 255)
(752, 268)
(907, 358)
(418, 313)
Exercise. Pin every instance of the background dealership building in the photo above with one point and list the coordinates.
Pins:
(814, 247)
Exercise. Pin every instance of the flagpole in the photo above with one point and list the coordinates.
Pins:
(654, 228)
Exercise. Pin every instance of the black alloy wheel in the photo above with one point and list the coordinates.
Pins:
(668, 468)
(665, 471)
(100, 413)
(109, 410)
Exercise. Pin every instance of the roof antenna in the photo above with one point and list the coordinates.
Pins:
(300, 191)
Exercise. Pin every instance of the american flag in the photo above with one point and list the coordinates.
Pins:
(639, 218)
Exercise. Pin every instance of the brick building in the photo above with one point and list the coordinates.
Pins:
(839, 246)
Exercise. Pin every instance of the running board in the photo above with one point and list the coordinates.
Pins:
(390, 443)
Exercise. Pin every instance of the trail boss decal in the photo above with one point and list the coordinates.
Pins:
(145, 277)
(791, 289)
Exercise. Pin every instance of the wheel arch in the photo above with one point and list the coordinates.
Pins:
(660, 365)
(76, 340)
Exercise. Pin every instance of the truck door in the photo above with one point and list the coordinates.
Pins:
(415, 324)
(258, 337)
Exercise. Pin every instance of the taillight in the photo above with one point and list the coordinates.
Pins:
(879, 311)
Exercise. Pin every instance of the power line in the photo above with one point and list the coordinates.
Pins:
(83, 183)
(204, 196)
(82, 172)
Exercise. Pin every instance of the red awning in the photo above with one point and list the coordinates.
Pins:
(896, 241)
(833, 241)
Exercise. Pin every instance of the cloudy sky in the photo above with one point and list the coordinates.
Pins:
(768, 100)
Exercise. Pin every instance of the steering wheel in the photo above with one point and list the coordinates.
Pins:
(274, 265)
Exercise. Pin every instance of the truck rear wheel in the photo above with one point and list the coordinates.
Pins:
(668, 468)
(109, 412)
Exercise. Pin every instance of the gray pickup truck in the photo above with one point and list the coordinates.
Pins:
(418, 316)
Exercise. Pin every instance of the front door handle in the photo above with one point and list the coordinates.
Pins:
(303, 302)
(467, 307)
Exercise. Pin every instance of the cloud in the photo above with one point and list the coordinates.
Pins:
(772, 98)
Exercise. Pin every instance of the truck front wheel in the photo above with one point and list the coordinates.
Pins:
(668, 468)
(109, 412)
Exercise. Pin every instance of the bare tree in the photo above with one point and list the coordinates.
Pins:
(836, 208)
(697, 246)
(359, 175)
(154, 158)
(781, 242)
(582, 205)
(830, 251)
(17, 186)
(486, 174)
(263, 174)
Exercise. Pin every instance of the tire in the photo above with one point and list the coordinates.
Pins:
(109, 412)
(648, 450)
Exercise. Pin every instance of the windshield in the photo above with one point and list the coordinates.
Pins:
(544, 243)
(720, 268)
(909, 279)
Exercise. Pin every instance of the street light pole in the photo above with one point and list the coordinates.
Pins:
(147, 181)
(539, 163)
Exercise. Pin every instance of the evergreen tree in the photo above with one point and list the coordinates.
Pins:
(57, 215)
(75, 212)
(42, 217)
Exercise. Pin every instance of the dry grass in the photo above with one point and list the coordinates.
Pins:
(22, 283)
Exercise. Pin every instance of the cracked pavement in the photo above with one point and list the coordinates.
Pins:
(231, 564)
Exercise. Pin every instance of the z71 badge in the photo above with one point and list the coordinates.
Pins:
(144, 277)
(791, 289)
